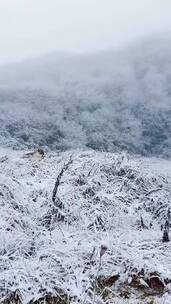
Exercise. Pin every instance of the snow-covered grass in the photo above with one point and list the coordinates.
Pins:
(46, 248)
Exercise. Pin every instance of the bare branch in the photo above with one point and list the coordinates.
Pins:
(57, 183)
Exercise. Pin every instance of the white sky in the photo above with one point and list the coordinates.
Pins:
(32, 27)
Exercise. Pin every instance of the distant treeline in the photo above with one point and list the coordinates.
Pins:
(109, 102)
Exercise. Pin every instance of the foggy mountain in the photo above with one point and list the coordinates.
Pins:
(110, 101)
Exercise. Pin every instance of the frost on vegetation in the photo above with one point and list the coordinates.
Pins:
(76, 227)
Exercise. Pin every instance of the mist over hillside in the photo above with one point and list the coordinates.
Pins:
(110, 101)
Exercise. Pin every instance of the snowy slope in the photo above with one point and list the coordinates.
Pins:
(69, 240)
(109, 101)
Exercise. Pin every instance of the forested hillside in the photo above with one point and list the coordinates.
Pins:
(110, 101)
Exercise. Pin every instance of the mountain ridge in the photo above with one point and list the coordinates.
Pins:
(110, 102)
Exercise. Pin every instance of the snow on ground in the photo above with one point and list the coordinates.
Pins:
(89, 229)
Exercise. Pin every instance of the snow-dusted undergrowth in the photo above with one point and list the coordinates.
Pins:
(44, 249)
